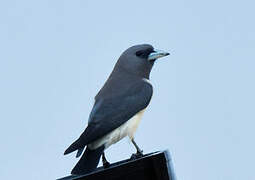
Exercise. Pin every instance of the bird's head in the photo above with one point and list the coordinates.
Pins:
(139, 59)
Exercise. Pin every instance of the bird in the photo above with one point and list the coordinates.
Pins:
(118, 108)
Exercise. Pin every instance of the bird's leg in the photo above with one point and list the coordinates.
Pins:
(139, 152)
(106, 164)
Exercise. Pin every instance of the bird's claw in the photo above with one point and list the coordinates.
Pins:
(137, 155)
(106, 164)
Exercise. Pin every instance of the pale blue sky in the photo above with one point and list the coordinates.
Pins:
(56, 55)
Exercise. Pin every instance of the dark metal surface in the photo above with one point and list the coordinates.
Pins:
(153, 166)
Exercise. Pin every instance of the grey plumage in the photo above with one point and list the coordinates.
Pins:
(124, 94)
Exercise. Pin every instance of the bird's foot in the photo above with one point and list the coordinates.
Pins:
(137, 155)
(106, 164)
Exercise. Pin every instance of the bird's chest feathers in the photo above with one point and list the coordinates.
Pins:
(131, 125)
(126, 129)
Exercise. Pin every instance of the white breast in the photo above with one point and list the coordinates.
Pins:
(126, 129)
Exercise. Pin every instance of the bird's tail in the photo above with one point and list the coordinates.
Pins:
(88, 161)
(76, 145)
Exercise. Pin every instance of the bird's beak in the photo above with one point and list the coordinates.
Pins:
(157, 54)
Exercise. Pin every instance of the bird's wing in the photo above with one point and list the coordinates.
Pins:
(109, 113)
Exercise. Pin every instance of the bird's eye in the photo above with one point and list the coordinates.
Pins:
(139, 53)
